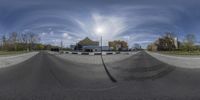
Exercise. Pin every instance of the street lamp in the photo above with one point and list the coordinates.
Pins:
(100, 31)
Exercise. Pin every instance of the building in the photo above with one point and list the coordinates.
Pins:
(165, 43)
(118, 45)
(87, 45)
(72, 47)
(176, 43)
(91, 48)
(95, 48)
(152, 47)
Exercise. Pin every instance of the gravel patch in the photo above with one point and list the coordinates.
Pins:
(12, 60)
(184, 62)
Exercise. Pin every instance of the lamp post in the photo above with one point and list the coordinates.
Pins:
(100, 32)
(101, 45)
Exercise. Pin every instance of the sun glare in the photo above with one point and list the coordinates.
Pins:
(100, 30)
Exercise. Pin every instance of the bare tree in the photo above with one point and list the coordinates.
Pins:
(3, 42)
(13, 39)
(32, 38)
(20, 41)
(190, 38)
(189, 42)
(24, 40)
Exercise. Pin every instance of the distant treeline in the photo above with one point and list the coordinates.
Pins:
(22, 42)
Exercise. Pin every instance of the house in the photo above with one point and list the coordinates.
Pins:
(165, 43)
(152, 47)
(118, 45)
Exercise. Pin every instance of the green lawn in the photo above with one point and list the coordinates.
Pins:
(11, 52)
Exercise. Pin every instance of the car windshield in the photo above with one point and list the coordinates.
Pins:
(99, 50)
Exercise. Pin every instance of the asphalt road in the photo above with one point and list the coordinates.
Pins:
(141, 77)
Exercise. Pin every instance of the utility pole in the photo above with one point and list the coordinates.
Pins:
(61, 45)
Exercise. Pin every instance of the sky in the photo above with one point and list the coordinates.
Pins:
(134, 21)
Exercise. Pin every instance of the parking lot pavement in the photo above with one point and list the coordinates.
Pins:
(95, 59)
(140, 77)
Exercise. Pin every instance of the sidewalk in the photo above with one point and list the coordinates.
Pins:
(15, 59)
(178, 61)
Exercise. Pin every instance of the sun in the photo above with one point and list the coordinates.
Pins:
(99, 30)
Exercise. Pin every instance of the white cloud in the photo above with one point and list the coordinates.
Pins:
(51, 32)
(43, 34)
(66, 36)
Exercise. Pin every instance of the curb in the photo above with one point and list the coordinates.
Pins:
(97, 53)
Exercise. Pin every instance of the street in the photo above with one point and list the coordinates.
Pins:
(140, 77)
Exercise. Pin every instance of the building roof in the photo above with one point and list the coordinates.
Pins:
(88, 42)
